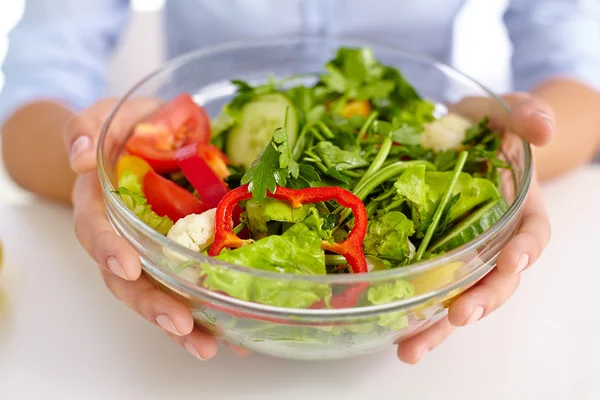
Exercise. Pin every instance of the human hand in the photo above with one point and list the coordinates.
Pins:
(533, 121)
(120, 264)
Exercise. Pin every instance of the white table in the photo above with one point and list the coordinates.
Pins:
(63, 336)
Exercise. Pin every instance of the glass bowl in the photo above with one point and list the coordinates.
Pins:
(423, 290)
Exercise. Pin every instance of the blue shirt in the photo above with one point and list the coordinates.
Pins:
(61, 48)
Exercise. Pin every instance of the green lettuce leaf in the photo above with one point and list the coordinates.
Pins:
(296, 251)
(411, 185)
(260, 212)
(323, 227)
(387, 293)
(423, 190)
(387, 237)
(399, 132)
(131, 193)
(334, 157)
(472, 191)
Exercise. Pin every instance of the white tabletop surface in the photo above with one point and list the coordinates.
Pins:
(62, 335)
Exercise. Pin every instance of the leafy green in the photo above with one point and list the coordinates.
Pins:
(483, 145)
(411, 185)
(387, 237)
(322, 226)
(333, 156)
(477, 132)
(246, 93)
(307, 102)
(423, 190)
(441, 205)
(296, 251)
(285, 154)
(260, 212)
(415, 113)
(272, 167)
(472, 191)
(387, 293)
(399, 132)
(130, 192)
(265, 173)
(306, 178)
(445, 160)
(356, 73)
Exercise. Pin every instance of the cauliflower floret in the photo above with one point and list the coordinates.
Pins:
(446, 133)
(191, 274)
(195, 231)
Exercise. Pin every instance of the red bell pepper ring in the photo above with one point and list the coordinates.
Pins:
(351, 248)
(347, 299)
(198, 172)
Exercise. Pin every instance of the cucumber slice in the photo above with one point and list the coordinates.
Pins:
(258, 122)
(471, 227)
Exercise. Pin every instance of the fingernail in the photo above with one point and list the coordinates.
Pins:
(423, 354)
(167, 324)
(116, 268)
(522, 263)
(476, 314)
(80, 146)
(189, 346)
(544, 116)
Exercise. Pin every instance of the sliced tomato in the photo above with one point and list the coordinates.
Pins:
(135, 164)
(167, 198)
(197, 170)
(180, 122)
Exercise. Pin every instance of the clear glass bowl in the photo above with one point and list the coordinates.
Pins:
(304, 333)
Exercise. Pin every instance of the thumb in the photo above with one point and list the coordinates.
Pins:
(526, 116)
(82, 131)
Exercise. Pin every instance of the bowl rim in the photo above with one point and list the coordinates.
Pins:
(521, 191)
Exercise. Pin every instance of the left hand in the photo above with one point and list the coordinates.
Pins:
(533, 121)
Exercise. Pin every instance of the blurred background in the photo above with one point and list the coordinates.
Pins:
(482, 51)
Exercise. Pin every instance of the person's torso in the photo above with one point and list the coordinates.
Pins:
(424, 26)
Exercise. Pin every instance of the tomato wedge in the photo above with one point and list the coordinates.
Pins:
(178, 123)
(194, 164)
(167, 198)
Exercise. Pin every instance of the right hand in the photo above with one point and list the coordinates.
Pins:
(119, 263)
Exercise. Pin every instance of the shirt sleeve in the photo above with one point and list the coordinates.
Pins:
(60, 50)
(554, 38)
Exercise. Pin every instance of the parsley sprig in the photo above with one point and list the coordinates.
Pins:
(275, 166)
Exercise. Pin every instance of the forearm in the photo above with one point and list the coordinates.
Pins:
(577, 138)
(34, 152)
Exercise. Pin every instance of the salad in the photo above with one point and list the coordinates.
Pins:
(352, 174)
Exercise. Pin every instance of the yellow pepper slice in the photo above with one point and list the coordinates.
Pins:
(355, 107)
(135, 164)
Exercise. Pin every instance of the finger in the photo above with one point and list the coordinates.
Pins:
(96, 234)
(82, 131)
(414, 349)
(531, 238)
(531, 119)
(240, 351)
(479, 301)
(151, 303)
(198, 343)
